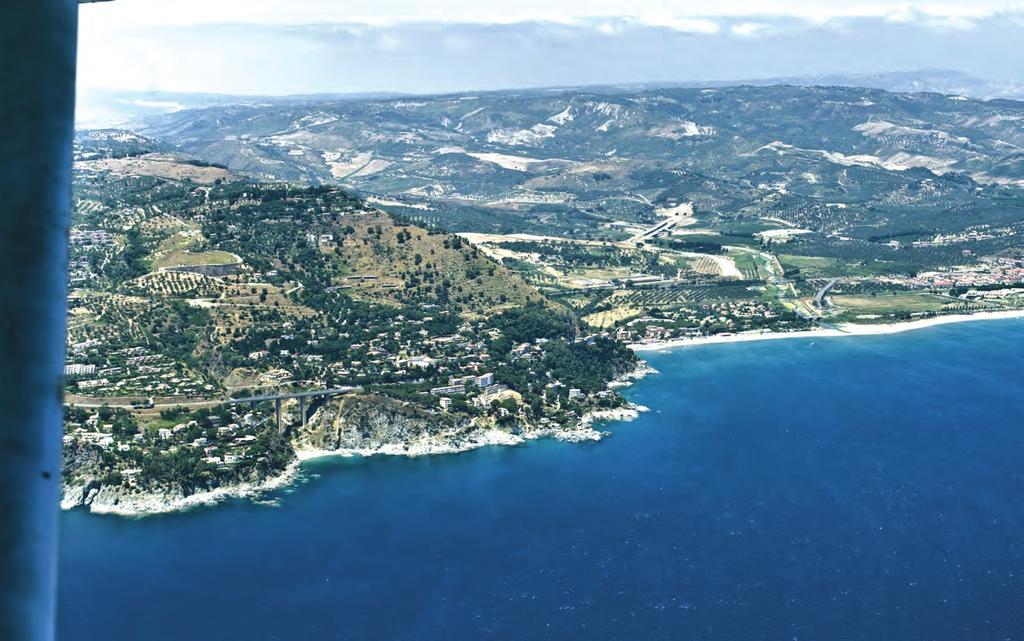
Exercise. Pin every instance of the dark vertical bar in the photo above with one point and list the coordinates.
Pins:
(277, 413)
(38, 39)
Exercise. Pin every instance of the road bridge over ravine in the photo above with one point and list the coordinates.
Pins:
(302, 397)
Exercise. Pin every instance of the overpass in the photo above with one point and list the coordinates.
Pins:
(819, 300)
(302, 397)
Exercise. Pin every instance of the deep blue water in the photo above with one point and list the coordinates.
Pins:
(822, 489)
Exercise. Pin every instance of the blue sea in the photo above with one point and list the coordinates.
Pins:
(867, 488)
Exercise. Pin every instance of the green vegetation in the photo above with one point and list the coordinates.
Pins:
(294, 287)
(181, 258)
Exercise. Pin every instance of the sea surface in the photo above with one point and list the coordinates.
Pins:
(867, 488)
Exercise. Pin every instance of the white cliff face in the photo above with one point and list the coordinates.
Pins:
(367, 427)
(371, 422)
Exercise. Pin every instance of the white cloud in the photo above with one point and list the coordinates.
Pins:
(948, 20)
(306, 46)
(748, 29)
(952, 23)
(682, 24)
(611, 27)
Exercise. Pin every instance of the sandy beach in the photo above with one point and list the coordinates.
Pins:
(846, 329)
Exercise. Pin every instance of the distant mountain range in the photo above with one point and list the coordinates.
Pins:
(845, 162)
(942, 81)
(106, 108)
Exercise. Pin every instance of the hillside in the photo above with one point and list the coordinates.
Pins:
(706, 209)
(156, 256)
(185, 295)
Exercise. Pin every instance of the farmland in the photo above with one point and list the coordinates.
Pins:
(185, 258)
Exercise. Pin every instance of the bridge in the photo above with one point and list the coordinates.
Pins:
(302, 397)
(819, 300)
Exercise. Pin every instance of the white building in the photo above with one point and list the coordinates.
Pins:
(448, 389)
(421, 361)
(79, 370)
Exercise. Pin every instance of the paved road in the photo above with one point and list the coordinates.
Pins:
(158, 403)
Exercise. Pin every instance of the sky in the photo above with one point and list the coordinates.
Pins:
(282, 12)
(355, 46)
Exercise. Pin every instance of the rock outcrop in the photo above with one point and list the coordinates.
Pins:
(371, 424)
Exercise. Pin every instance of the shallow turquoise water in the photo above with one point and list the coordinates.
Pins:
(854, 488)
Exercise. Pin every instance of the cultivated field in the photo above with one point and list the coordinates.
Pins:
(603, 320)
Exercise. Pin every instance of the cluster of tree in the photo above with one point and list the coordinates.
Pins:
(576, 255)
(588, 365)
(122, 422)
(127, 263)
(187, 469)
(694, 246)
(530, 322)
(963, 289)
(202, 163)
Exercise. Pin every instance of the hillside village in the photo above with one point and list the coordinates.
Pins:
(185, 296)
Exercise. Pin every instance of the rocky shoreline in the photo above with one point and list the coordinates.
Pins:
(114, 500)
(432, 447)
(643, 370)
(367, 427)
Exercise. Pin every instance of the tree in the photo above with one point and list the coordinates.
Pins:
(124, 426)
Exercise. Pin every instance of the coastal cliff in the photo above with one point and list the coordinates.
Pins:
(356, 425)
(371, 425)
(90, 480)
(366, 423)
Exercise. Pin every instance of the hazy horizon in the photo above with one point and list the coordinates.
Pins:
(269, 48)
(99, 108)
